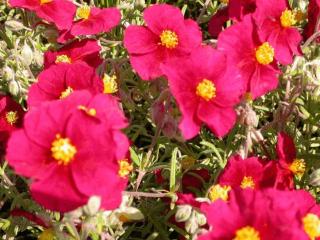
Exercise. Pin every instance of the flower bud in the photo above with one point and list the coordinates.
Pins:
(8, 74)
(38, 58)
(14, 87)
(14, 25)
(183, 213)
(93, 205)
(201, 218)
(315, 178)
(129, 214)
(191, 225)
(26, 54)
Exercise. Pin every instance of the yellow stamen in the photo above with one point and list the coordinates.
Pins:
(66, 92)
(298, 167)
(169, 39)
(299, 15)
(47, 234)
(110, 84)
(83, 12)
(287, 18)
(187, 162)
(90, 111)
(247, 233)
(247, 182)
(123, 218)
(124, 168)
(12, 117)
(63, 59)
(206, 89)
(219, 192)
(248, 97)
(45, 1)
(311, 225)
(63, 150)
(224, 1)
(265, 54)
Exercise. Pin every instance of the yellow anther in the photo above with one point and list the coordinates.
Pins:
(219, 192)
(12, 117)
(311, 225)
(110, 84)
(247, 233)
(298, 167)
(63, 150)
(66, 92)
(287, 18)
(124, 168)
(169, 39)
(206, 89)
(247, 182)
(265, 54)
(83, 12)
(62, 59)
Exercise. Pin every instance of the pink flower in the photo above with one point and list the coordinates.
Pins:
(253, 58)
(253, 173)
(258, 215)
(93, 20)
(11, 118)
(289, 164)
(205, 94)
(59, 12)
(276, 26)
(71, 150)
(59, 81)
(313, 16)
(235, 11)
(85, 50)
(167, 35)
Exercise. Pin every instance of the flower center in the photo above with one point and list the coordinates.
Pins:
(45, 1)
(247, 233)
(124, 168)
(287, 18)
(224, 1)
(298, 167)
(63, 150)
(206, 89)
(247, 182)
(311, 225)
(63, 59)
(265, 54)
(66, 93)
(90, 111)
(219, 192)
(110, 84)
(83, 12)
(169, 39)
(12, 117)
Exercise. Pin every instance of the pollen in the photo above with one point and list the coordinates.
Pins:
(12, 117)
(287, 18)
(124, 168)
(247, 233)
(110, 84)
(206, 89)
(66, 93)
(265, 54)
(90, 111)
(169, 39)
(63, 59)
(63, 150)
(219, 192)
(298, 167)
(45, 1)
(311, 225)
(247, 182)
(224, 1)
(83, 12)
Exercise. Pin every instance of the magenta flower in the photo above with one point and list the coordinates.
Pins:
(276, 22)
(59, 12)
(93, 20)
(253, 173)
(253, 58)
(85, 50)
(167, 35)
(205, 94)
(59, 81)
(71, 150)
(313, 16)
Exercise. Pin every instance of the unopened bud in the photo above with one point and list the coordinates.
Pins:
(183, 213)
(8, 73)
(201, 218)
(14, 25)
(93, 205)
(191, 225)
(14, 87)
(26, 54)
